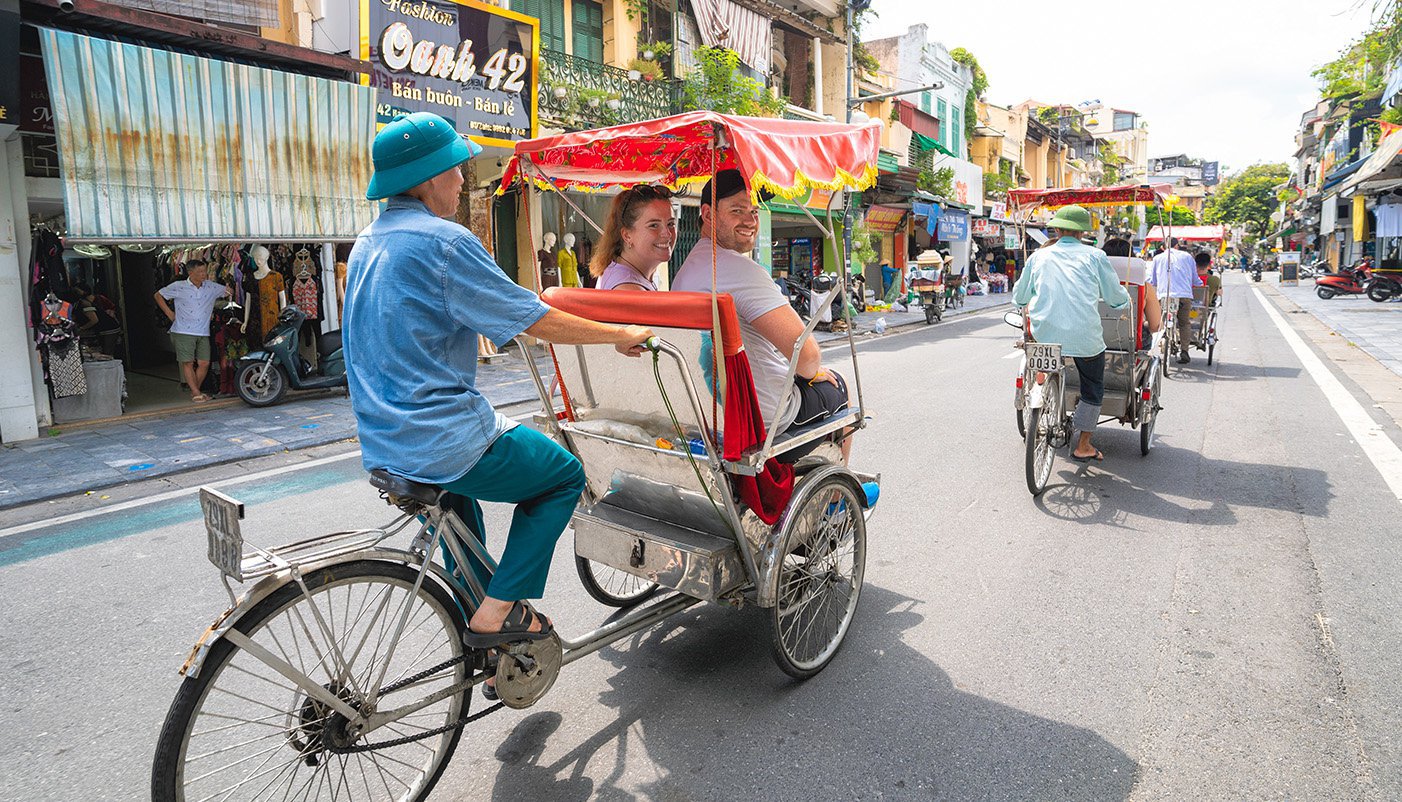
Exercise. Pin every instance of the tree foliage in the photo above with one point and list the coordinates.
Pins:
(965, 58)
(1247, 197)
(716, 84)
(1181, 216)
(1361, 69)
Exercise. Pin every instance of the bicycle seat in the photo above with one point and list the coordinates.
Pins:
(404, 488)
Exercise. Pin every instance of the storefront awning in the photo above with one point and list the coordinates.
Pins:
(166, 147)
(1381, 164)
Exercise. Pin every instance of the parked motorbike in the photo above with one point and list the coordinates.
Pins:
(804, 290)
(1353, 280)
(1384, 287)
(265, 376)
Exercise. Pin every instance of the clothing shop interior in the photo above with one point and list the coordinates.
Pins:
(105, 344)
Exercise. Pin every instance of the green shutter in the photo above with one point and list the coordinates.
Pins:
(551, 14)
(589, 30)
(925, 102)
(956, 131)
(943, 116)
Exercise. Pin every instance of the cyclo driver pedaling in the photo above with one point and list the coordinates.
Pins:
(342, 672)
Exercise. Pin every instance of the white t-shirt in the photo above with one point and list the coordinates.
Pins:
(755, 295)
(1129, 269)
(194, 306)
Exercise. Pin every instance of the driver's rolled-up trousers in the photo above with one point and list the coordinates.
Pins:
(544, 481)
(1091, 370)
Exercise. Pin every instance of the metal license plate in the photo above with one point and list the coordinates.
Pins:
(221, 522)
(1044, 357)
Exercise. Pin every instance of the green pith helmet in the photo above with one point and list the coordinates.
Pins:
(1071, 218)
(413, 149)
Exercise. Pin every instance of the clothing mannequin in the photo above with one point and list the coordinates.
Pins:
(272, 290)
(569, 264)
(549, 268)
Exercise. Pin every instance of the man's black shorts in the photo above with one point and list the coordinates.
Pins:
(819, 400)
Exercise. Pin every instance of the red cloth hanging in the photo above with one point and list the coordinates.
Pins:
(767, 493)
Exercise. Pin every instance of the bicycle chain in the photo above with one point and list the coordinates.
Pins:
(394, 686)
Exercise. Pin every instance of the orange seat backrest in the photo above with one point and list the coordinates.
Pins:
(674, 310)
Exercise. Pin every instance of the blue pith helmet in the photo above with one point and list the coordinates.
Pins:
(413, 149)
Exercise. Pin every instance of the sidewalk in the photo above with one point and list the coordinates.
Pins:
(1376, 328)
(79, 458)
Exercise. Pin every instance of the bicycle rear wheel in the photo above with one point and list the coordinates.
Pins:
(610, 586)
(1042, 423)
(243, 731)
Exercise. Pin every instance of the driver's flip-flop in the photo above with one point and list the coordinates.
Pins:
(1096, 457)
(515, 627)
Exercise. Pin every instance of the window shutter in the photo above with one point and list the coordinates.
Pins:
(589, 30)
(551, 14)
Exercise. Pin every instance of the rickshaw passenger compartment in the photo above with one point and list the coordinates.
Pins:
(699, 564)
(1123, 364)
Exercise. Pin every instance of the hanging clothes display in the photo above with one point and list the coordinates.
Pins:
(1389, 220)
(230, 345)
(305, 293)
(57, 338)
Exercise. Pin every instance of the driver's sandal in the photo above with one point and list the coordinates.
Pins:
(514, 629)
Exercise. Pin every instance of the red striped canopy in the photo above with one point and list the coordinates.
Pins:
(1123, 195)
(786, 157)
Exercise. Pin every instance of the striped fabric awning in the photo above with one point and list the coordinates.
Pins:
(169, 147)
(727, 24)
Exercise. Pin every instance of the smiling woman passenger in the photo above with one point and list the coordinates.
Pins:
(638, 238)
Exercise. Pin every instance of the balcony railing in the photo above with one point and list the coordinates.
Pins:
(579, 93)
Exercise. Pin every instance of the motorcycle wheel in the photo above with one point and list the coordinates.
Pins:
(1379, 292)
(1324, 293)
(261, 394)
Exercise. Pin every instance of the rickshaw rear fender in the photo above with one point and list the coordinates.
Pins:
(771, 556)
(1036, 396)
(230, 618)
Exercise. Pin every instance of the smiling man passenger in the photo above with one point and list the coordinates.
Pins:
(769, 327)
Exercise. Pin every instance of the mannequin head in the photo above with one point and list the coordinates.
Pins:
(568, 242)
(549, 241)
(260, 258)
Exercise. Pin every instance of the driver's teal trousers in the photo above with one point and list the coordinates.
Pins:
(544, 481)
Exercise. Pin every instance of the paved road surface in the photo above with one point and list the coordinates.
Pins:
(1219, 620)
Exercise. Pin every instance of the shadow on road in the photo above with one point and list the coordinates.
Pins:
(1124, 486)
(703, 713)
(1199, 372)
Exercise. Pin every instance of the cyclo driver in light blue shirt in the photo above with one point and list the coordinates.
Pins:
(1064, 284)
(420, 289)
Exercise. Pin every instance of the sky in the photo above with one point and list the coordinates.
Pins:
(1224, 81)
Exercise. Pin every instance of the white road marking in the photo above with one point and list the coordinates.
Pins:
(1014, 355)
(1384, 453)
(45, 523)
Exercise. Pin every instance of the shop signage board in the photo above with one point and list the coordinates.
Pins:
(968, 182)
(1210, 171)
(1289, 262)
(1010, 239)
(36, 114)
(954, 226)
(475, 64)
(983, 227)
(998, 210)
(10, 93)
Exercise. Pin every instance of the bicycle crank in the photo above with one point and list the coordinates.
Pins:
(527, 670)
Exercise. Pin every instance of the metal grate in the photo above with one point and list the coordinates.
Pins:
(589, 89)
(262, 13)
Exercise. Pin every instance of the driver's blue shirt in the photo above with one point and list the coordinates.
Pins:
(1064, 284)
(419, 289)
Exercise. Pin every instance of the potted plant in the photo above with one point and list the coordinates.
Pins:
(655, 51)
(647, 69)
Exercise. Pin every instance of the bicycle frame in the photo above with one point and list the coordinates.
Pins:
(437, 524)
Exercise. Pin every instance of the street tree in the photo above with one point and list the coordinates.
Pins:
(1249, 196)
(1181, 216)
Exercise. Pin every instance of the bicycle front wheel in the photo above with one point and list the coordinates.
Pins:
(1042, 426)
(243, 731)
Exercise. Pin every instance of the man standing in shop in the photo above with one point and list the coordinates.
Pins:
(420, 289)
(189, 331)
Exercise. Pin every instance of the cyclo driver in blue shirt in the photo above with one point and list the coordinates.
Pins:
(420, 289)
(1067, 281)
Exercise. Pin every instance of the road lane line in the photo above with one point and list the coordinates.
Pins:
(1014, 355)
(1384, 454)
(45, 523)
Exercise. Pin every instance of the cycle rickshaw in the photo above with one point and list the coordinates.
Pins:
(1202, 315)
(1047, 385)
(342, 670)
